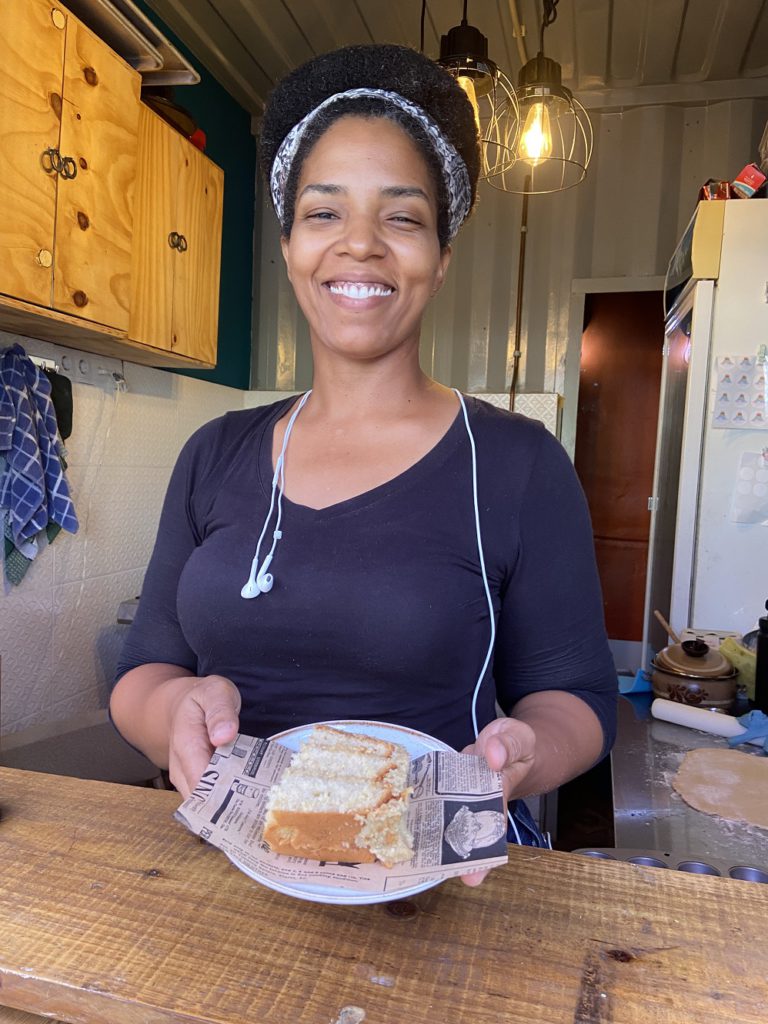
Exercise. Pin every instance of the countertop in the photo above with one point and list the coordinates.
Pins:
(649, 813)
(112, 913)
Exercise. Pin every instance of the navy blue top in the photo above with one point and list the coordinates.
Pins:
(378, 609)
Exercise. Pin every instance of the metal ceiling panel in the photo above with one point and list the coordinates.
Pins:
(662, 29)
(604, 46)
(756, 58)
(393, 22)
(701, 32)
(330, 25)
(268, 31)
(204, 28)
(592, 28)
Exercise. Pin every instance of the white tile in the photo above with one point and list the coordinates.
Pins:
(252, 399)
(119, 518)
(26, 643)
(200, 402)
(93, 410)
(69, 549)
(142, 430)
(86, 637)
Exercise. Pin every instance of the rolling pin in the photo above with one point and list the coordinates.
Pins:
(699, 718)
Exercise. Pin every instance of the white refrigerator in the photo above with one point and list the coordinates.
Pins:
(708, 550)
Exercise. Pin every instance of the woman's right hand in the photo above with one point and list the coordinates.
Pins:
(204, 716)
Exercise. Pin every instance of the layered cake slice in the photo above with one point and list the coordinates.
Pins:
(344, 797)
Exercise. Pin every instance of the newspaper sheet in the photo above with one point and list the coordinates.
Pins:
(456, 815)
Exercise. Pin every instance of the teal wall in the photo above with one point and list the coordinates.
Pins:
(231, 145)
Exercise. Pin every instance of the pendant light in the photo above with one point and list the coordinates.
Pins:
(464, 53)
(555, 140)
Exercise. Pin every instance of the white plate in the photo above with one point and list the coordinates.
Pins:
(416, 743)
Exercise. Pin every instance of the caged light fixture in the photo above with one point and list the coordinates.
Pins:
(555, 139)
(464, 53)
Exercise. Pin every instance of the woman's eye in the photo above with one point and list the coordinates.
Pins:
(320, 215)
(402, 218)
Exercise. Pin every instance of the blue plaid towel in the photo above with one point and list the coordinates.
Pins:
(33, 486)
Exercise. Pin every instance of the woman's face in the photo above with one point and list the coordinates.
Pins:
(363, 256)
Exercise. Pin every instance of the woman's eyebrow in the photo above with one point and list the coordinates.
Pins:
(400, 191)
(326, 190)
(390, 191)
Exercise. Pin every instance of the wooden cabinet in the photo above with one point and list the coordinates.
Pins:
(176, 244)
(68, 122)
(110, 221)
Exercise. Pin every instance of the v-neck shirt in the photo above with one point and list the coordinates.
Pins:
(378, 609)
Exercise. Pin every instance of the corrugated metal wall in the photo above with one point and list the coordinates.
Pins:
(623, 221)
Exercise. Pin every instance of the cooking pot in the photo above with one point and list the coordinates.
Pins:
(693, 673)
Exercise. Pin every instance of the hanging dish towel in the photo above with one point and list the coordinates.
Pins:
(33, 487)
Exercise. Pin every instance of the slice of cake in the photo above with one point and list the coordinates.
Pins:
(344, 797)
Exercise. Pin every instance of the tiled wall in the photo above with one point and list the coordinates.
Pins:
(59, 639)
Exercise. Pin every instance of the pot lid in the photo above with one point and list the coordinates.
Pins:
(694, 657)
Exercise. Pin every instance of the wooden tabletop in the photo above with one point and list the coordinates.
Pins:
(112, 913)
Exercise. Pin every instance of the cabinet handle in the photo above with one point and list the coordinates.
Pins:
(80, 299)
(44, 257)
(53, 162)
(182, 246)
(50, 161)
(177, 241)
(68, 167)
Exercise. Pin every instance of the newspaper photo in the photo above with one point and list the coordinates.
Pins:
(456, 815)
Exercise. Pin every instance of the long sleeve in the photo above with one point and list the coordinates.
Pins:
(551, 633)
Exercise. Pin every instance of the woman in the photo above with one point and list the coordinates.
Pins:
(381, 540)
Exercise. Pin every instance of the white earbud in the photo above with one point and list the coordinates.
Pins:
(264, 579)
(260, 580)
(261, 583)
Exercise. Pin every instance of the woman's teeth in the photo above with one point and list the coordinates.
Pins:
(359, 291)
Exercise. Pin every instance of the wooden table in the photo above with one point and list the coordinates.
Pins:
(111, 913)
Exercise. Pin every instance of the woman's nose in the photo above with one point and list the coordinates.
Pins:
(361, 237)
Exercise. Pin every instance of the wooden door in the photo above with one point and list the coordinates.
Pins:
(198, 260)
(94, 221)
(153, 259)
(621, 359)
(32, 37)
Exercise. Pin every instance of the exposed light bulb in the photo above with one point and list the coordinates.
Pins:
(468, 86)
(536, 136)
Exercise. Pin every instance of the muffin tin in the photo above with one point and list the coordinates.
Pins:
(678, 862)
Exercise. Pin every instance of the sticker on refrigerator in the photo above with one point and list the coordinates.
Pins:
(741, 395)
(750, 495)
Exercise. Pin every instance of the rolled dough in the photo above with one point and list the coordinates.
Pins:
(727, 783)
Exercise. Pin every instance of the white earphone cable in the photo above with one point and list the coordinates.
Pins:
(278, 482)
(489, 599)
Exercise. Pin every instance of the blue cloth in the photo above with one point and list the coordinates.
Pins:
(525, 831)
(378, 609)
(33, 486)
(756, 724)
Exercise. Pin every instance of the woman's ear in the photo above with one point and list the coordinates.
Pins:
(445, 259)
(284, 243)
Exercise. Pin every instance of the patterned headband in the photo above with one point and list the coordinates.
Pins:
(455, 174)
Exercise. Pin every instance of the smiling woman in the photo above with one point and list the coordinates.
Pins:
(415, 557)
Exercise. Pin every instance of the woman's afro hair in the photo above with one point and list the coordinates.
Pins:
(377, 66)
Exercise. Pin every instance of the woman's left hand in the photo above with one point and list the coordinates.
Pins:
(509, 747)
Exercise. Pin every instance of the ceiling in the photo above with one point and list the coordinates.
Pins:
(614, 53)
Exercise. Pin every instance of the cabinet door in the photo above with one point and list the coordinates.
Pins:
(153, 259)
(32, 35)
(94, 218)
(197, 268)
